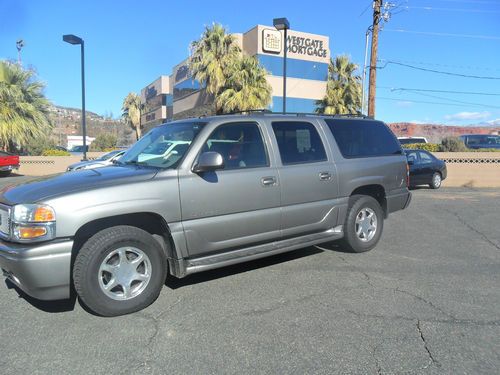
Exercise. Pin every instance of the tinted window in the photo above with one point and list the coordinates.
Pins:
(298, 142)
(412, 156)
(362, 138)
(240, 144)
(408, 141)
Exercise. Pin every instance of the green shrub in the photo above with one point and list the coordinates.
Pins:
(453, 144)
(36, 146)
(103, 141)
(431, 147)
(51, 152)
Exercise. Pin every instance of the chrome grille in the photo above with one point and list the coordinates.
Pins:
(4, 220)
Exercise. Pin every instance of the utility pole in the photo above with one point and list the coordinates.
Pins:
(19, 46)
(377, 7)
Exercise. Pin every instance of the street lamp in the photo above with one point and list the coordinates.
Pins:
(283, 24)
(73, 39)
(368, 31)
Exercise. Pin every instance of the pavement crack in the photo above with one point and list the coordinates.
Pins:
(432, 360)
(429, 303)
(470, 227)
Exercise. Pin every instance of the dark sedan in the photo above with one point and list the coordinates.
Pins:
(425, 168)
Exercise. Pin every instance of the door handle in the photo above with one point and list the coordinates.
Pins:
(325, 176)
(268, 181)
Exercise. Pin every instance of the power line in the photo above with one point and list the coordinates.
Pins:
(435, 71)
(490, 37)
(458, 101)
(440, 91)
(472, 2)
(419, 101)
(455, 9)
(469, 67)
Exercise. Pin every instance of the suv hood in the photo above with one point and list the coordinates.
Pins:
(40, 189)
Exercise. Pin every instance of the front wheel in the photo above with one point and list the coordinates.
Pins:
(119, 270)
(5, 173)
(436, 181)
(363, 225)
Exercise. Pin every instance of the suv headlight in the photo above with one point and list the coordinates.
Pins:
(33, 222)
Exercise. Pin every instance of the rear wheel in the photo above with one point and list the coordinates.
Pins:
(5, 173)
(363, 225)
(436, 181)
(119, 270)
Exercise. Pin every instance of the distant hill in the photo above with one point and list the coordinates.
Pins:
(436, 132)
(67, 121)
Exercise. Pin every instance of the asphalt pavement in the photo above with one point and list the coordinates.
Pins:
(426, 300)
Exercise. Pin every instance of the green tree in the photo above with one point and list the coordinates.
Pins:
(212, 57)
(246, 87)
(103, 142)
(343, 88)
(453, 144)
(23, 107)
(131, 113)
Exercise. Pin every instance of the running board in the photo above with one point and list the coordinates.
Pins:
(184, 267)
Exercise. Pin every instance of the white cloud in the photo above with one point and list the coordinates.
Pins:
(466, 116)
(495, 122)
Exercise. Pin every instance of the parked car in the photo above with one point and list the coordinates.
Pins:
(104, 160)
(8, 162)
(478, 141)
(411, 140)
(425, 169)
(246, 187)
(77, 150)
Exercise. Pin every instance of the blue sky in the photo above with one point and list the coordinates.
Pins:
(130, 43)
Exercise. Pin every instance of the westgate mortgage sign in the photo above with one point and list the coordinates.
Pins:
(306, 46)
(299, 45)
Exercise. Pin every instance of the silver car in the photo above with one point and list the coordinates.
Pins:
(237, 188)
(103, 161)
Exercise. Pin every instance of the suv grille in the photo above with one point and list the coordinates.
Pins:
(4, 221)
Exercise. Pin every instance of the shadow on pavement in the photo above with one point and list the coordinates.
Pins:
(47, 306)
(201, 277)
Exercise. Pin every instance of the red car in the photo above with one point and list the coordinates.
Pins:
(8, 162)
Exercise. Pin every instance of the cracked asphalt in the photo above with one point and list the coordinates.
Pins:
(425, 301)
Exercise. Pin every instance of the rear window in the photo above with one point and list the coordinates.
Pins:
(363, 138)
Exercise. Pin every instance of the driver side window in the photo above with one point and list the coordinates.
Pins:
(240, 145)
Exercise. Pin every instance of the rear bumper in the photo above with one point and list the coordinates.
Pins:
(398, 200)
(4, 168)
(41, 271)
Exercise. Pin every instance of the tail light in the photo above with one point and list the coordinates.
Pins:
(407, 175)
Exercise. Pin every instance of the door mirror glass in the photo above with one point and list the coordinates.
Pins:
(209, 161)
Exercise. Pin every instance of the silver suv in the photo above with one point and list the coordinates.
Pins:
(234, 188)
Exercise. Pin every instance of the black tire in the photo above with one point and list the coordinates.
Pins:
(436, 181)
(351, 241)
(5, 173)
(92, 255)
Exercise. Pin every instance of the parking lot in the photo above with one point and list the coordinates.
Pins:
(425, 301)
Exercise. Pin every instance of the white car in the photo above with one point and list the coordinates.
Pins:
(411, 140)
(103, 161)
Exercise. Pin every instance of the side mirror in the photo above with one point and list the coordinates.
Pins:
(411, 161)
(209, 161)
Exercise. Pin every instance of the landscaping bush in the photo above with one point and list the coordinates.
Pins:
(103, 142)
(431, 147)
(52, 152)
(453, 144)
(36, 147)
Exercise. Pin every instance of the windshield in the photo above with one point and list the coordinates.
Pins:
(108, 156)
(163, 146)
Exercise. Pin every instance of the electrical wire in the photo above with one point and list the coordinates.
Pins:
(419, 101)
(457, 101)
(387, 62)
(455, 9)
(489, 37)
(440, 91)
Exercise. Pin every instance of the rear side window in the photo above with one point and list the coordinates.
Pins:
(363, 138)
(298, 142)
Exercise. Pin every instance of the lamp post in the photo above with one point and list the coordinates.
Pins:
(73, 39)
(283, 24)
(19, 46)
(368, 31)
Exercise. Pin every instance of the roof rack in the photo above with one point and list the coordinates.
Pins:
(269, 112)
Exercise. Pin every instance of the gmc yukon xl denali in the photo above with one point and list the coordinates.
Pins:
(234, 188)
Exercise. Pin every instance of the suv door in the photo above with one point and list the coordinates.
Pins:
(238, 205)
(309, 185)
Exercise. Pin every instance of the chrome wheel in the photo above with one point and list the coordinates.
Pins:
(124, 273)
(366, 224)
(436, 180)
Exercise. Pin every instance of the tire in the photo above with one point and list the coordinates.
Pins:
(353, 241)
(114, 258)
(436, 181)
(5, 173)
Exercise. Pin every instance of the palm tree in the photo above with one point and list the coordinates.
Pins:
(23, 107)
(246, 87)
(131, 112)
(343, 88)
(211, 58)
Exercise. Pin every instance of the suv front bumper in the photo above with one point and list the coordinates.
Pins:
(41, 270)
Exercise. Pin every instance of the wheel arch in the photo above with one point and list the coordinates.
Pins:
(375, 191)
